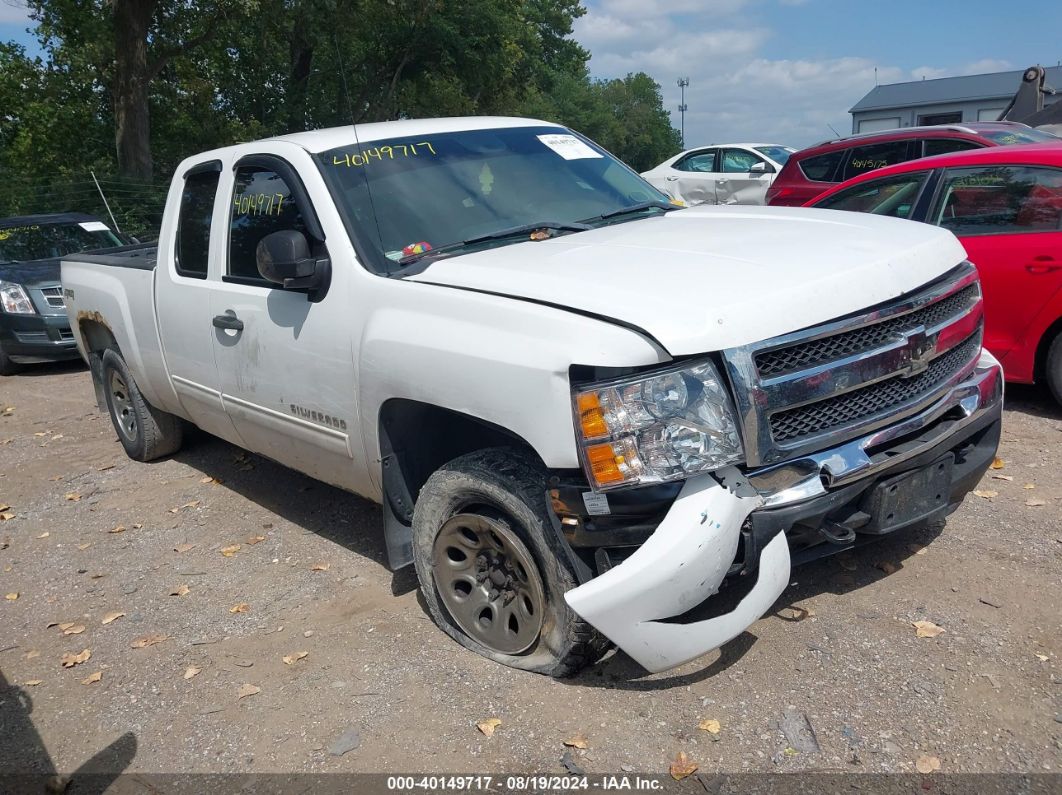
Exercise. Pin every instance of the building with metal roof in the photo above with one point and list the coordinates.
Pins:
(945, 100)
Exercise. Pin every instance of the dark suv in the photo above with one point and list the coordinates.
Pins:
(811, 171)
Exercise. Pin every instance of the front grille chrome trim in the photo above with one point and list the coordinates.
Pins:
(953, 304)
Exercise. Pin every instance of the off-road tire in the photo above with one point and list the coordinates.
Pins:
(1053, 367)
(8, 367)
(153, 433)
(509, 486)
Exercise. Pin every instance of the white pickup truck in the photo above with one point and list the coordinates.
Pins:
(583, 409)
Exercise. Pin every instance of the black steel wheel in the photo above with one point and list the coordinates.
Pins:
(493, 570)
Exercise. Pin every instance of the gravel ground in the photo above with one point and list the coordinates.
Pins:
(299, 644)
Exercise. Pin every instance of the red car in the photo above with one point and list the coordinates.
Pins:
(811, 171)
(1005, 206)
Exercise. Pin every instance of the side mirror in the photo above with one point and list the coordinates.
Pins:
(284, 258)
(761, 168)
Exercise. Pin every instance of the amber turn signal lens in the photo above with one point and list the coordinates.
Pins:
(605, 464)
(591, 417)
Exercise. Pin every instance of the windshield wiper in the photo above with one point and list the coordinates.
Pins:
(501, 234)
(634, 208)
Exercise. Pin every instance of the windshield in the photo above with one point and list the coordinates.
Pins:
(1007, 137)
(408, 196)
(51, 241)
(779, 154)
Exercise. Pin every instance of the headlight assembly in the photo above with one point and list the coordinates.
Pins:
(657, 427)
(13, 299)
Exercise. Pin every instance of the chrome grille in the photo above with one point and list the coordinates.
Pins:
(838, 346)
(813, 389)
(54, 297)
(872, 400)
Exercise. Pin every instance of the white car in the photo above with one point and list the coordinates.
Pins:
(721, 174)
(581, 408)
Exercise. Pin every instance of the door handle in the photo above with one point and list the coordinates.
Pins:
(1043, 264)
(671, 179)
(228, 321)
(721, 181)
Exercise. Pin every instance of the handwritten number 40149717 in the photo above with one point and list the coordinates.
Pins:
(380, 152)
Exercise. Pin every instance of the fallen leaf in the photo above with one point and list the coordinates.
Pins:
(183, 547)
(578, 741)
(83, 547)
(45, 534)
(191, 671)
(70, 660)
(682, 766)
(107, 619)
(255, 540)
(91, 678)
(291, 659)
(1029, 486)
(57, 437)
(927, 764)
(209, 479)
(192, 504)
(76, 629)
(711, 726)
(4, 507)
(148, 640)
(64, 626)
(1042, 657)
(927, 629)
(997, 463)
(32, 654)
(33, 682)
(985, 494)
(887, 567)
(248, 690)
(1035, 502)
(180, 590)
(320, 567)
(73, 496)
(117, 529)
(229, 551)
(488, 726)
(5, 516)
(40, 433)
(242, 607)
(11, 597)
(1007, 478)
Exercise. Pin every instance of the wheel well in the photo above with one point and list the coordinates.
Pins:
(1040, 364)
(98, 338)
(417, 438)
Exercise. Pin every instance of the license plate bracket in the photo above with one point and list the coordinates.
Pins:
(911, 497)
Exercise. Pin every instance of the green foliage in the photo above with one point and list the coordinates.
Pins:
(238, 70)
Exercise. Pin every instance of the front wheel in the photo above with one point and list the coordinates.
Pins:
(145, 432)
(1053, 367)
(491, 568)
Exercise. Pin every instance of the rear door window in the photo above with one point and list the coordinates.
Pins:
(1000, 200)
(862, 159)
(891, 196)
(821, 168)
(703, 161)
(193, 223)
(942, 146)
(262, 203)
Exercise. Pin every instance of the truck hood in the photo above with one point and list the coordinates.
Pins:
(708, 278)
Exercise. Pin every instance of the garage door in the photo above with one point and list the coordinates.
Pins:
(875, 125)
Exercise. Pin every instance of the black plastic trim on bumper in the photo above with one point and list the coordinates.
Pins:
(54, 347)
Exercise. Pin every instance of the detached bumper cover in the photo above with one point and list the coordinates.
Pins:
(683, 563)
(687, 557)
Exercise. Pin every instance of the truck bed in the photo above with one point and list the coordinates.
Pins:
(142, 256)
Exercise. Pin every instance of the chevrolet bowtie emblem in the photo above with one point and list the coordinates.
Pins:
(919, 349)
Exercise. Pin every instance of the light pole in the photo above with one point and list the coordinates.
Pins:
(682, 83)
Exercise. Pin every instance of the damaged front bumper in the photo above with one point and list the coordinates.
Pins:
(686, 559)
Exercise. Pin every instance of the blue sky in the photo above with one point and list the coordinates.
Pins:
(781, 71)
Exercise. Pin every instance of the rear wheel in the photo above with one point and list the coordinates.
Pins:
(145, 432)
(491, 568)
(1053, 367)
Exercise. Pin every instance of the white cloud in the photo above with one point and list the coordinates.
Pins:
(736, 91)
(13, 12)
